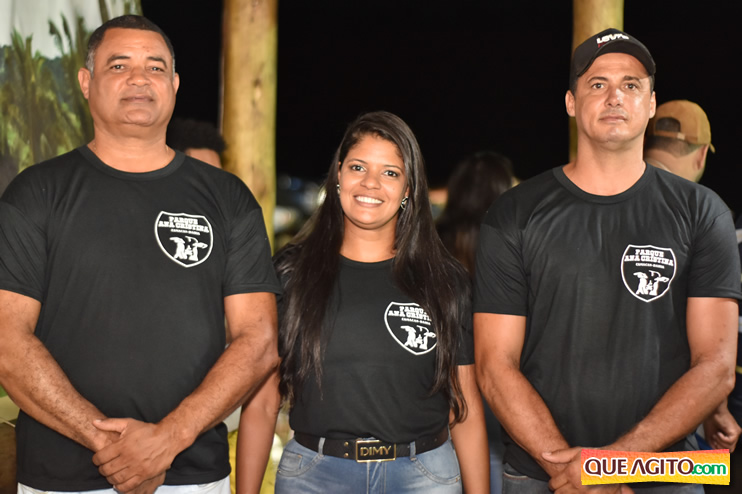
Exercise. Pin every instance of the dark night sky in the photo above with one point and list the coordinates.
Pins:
(465, 75)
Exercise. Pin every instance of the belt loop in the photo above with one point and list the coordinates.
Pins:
(413, 451)
(320, 445)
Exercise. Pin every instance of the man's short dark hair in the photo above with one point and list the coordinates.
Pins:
(185, 134)
(123, 22)
(676, 147)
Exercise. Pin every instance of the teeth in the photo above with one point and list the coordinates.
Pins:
(368, 200)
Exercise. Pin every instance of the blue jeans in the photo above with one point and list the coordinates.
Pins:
(513, 482)
(306, 471)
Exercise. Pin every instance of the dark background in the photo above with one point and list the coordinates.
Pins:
(465, 75)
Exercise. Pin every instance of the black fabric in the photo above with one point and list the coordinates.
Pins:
(601, 348)
(131, 270)
(373, 385)
(347, 448)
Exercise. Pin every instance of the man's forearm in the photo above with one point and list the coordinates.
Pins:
(523, 413)
(39, 387)
(690, 400)
(240, 370)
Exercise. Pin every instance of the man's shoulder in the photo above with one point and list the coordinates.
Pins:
(39, 178)
(61, 163)
(687, 193)
(228, 183)
(521, 200)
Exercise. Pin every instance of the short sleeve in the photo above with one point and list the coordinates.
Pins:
(715, 265)
(500, 283)
(249, 268)
(22, 247)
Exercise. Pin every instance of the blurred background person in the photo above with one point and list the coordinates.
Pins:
(474, 185)
(196, 138)
(678, 139)
(476, 182)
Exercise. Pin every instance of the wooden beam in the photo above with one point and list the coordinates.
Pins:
(248, 107)
(590, 17)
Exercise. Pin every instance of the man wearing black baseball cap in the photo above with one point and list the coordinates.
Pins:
(605, 300)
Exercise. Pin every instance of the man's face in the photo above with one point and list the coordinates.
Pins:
(613, 100)
(133, 85)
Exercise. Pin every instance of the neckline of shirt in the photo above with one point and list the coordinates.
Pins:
(168, 169)
(365, 265)
(646, 178)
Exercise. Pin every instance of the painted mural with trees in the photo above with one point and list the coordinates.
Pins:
(42, 46)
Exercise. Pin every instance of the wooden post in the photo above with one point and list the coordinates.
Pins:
(248, 108)
(590, 17)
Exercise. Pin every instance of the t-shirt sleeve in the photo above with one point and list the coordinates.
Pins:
(500, 284)
(22, 243)
(715, 265)
(249, 267)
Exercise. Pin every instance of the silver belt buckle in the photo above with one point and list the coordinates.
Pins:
(375, 450)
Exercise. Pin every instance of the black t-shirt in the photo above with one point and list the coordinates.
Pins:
(378, 366)
(131, 270)
(603, 282)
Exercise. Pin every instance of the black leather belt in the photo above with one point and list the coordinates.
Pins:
(363, 450)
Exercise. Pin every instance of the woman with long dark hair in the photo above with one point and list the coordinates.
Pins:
(375, 333)
(475, 183)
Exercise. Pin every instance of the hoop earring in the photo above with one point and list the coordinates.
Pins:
(403, 205)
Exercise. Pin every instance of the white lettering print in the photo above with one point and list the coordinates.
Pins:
(411, 327)
(186, 239)
(610, 37)
(648, 271)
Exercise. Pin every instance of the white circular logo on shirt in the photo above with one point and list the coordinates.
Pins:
(648, 271)
(411, 327)
(185, 238)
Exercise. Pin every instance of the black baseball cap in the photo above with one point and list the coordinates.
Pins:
(608, 41)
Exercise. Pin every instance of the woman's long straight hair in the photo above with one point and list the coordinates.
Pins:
(422, 268)
(476, 182)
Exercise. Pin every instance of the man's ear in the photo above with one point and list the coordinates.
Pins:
(83, 77)
(176, 82)
(569, 102)
(699, 160)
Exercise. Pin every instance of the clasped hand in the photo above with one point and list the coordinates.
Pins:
(136, 462)
(568, 463)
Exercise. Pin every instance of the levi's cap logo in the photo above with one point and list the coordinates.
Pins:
(610, 37)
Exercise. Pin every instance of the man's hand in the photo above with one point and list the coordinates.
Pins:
(721, 430)
(570, 477)
(139, 459)
(148, 486)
